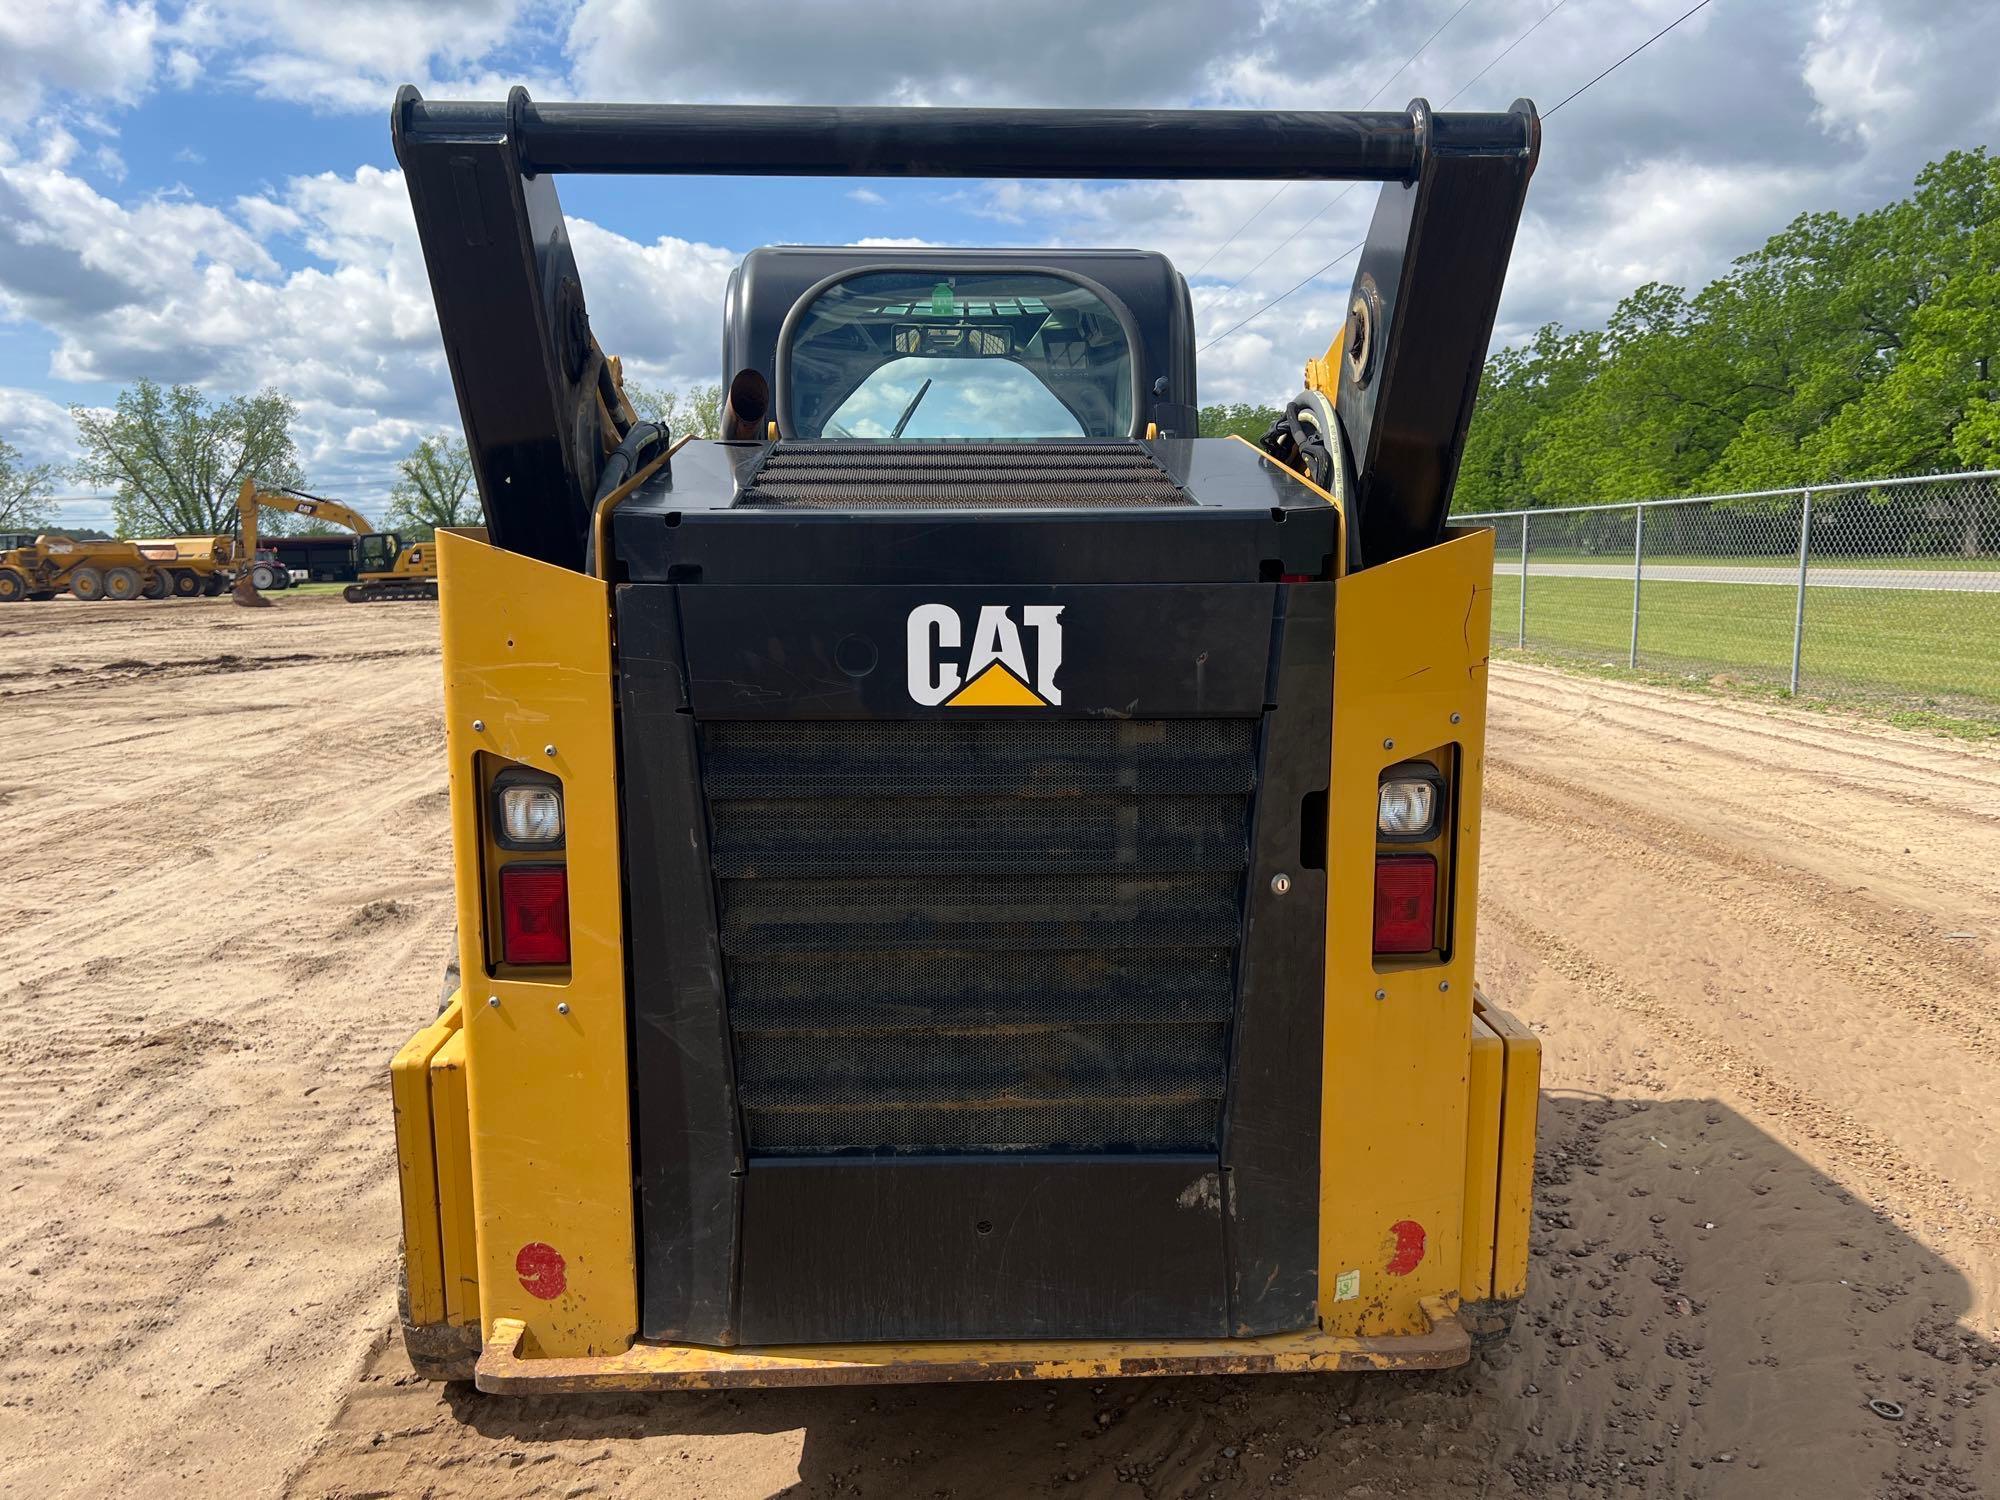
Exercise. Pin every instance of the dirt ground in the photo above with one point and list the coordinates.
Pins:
(1763, 949)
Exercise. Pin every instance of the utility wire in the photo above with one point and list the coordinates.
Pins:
(1501, 56)
(1286, 187)
(1259, 312)
(1334, 202)
(1315, 276)
(1633, 53)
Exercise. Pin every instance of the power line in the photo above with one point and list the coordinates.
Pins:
(1315, 276)
(1501, 56)
(1415, 55)
(1283, 188)
(1327, 207)
(1286, 187)
(1259, 312)
(1633, 53)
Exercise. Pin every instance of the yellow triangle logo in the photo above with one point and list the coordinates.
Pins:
(996, 687)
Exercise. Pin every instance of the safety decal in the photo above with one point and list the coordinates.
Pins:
(542, 1270)
(1406, 1248)
(1347, 1286)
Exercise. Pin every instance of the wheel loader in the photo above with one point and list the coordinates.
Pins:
(962, 878)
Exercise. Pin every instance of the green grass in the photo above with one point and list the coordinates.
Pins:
(1914, 650)
(1623, 559)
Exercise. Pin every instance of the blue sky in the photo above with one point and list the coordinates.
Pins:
(206, 191)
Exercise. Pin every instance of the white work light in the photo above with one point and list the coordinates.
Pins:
(1407, 806)
(531, 814)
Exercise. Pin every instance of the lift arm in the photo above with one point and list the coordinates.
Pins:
(531, 379)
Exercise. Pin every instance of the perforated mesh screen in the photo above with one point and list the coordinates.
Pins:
(957, 476)
(980, 935)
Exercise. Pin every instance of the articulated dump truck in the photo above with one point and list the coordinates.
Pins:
(962, 878)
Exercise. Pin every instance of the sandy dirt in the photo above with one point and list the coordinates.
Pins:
(1762, 948)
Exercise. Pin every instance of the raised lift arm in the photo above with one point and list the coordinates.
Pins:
(251, 498)
(532, 382)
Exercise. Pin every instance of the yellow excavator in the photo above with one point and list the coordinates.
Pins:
(387, 569)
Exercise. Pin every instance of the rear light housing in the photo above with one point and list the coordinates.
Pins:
(527, 809)
(1408, 803)
(1405, 904)
(534, 915)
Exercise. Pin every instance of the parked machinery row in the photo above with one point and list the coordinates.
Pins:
(385, 567)
(173, 567)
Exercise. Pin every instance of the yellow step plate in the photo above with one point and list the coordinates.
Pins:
(506, 1369)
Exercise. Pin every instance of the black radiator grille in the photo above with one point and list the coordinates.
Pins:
(958, 476)
(980, 935)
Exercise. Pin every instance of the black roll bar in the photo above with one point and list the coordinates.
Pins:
(812, 141)
(530, 376)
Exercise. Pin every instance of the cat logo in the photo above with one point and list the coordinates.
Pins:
(995, 673)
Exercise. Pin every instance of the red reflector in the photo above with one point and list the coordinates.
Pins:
(1296, 578)
(534, 914)
(1405, 903)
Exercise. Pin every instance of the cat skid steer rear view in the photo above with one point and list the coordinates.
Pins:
(962, 878)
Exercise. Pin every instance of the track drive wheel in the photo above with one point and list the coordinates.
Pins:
(13, 586)
(87, 584)
(355, 593)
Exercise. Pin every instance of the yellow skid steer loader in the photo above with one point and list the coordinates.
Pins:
(962, 878)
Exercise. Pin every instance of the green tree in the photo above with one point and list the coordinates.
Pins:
(694, 412)
(1240, 420)
(175, 459)
(24, 491)
(1841, 348)
(1522, 389)
(1934, 400)
(434, 488)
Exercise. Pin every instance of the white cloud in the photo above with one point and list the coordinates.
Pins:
(907, 51)
(38, 427)
(98, 49)
(185, 291)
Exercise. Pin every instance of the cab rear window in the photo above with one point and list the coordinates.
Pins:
(915, 354)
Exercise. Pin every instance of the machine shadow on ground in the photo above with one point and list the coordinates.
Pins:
(1709, 1315)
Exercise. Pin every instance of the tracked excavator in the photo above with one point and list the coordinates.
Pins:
(962, 878)
(388, 569)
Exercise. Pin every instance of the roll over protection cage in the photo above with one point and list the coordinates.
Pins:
(531, 380)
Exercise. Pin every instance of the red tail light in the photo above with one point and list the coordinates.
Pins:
(534, 914)
(1405, 903)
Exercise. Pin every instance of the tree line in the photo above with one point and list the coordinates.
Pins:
(174, 458)
(1843, 348)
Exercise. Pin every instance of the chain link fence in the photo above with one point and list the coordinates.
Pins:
(1887, 590)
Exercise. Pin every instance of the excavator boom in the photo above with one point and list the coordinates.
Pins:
(410, 572)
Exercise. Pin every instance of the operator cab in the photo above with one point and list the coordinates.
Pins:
(377, 552)
(993, 345)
